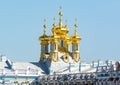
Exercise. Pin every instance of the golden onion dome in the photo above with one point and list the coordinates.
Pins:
(60, 29)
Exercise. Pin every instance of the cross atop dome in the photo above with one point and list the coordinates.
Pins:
(60, 19)
(44, 27)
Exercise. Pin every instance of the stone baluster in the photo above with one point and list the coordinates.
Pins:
(3, 72)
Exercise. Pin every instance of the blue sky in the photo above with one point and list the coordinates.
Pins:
(21, 24)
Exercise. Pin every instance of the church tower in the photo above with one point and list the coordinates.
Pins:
(54, 46)
(44, 44)
(59, 43)
(75, 45)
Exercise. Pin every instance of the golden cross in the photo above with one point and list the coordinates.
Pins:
(44, 24)
(66, 21)
(60, 13)
(54, 20)
(75, 26)
(60, 8)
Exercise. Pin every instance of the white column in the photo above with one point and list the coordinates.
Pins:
(100, 82)
(97, 83)
(16, 72)
(104, 82)
(55, 48)
(108, 82)
(119, 82)
(112, 83)
(3, 72)
(80, 67)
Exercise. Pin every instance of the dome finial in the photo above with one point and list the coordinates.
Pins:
(54, 21)
(44, 26)
(75, 26)
(60, 8)
(60, 14)
(66, 22)
(54, 26)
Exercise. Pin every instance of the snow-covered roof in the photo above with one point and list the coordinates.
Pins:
(3, 65)
(27, 65)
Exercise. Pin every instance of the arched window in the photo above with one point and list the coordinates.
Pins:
(55, 47)
(46, 48)
(62, 43)
(76, 46)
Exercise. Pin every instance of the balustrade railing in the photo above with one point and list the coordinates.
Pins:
(20, 72)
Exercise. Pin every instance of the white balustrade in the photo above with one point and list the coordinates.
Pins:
(6, 72)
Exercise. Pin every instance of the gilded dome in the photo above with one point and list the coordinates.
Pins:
(60, 30)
